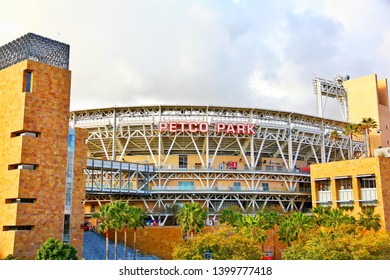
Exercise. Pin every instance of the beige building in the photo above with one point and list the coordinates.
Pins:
(353, 185)
(368, 97)
(41, 179)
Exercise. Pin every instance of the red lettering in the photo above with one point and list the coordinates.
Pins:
(162, 126)
(172, 127)
(203, 127)
(240, 129)
(219, 127)
(230, 128)
(181, 125)
(251, 129)
(193, 127)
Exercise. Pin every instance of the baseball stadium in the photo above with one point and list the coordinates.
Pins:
(221, 157)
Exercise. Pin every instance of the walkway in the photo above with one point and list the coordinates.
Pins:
(95, 249)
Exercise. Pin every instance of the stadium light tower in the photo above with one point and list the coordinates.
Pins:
(332, 89)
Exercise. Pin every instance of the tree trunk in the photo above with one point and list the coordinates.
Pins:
(368, 143)
(135, 243)
(107, 245)
(115, 244)
(125, 243)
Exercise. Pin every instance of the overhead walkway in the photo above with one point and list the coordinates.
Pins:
(95, 249)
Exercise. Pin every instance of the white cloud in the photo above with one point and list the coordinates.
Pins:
(232, 53)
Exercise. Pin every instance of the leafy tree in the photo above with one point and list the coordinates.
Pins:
(224, 244)
(10, 257)
(351, 130)
(253, 227)
(116, 222)
(342, 242)
(369, 220)
(135, 218)
(53, 249)
(367, 124)
(104, 221)
(334, 135)
(291, 226)
(230, 217)
(191, 219)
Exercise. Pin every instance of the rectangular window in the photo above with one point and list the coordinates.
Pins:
(344, 191)
(265, 187)
(20, 200)
(23, 166)
(66, 235)
(186, 186)
(27, 87)
(15, 228)
(236, 186)
(324, 193)
(368, 194)
(182, 161)
(25, 133)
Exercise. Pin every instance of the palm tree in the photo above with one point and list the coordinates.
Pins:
(369, 220)
(191, 219)
(351, 130)
(135, 219)
(366, 124)
(254, 225)
(336, 217)
(293, 225)
(126, 215)
(117, 223)
(334, 135)
(104, 221)
(230, 217)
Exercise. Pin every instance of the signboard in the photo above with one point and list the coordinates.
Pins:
(204, 127)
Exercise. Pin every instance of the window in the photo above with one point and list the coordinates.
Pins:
(27, 83)
(93, 208)
(182, 161)
(236, 186)
(367, 182)
(20, 200)
(344, 184)
(66, 236)
(265, 186)
(186, 186)
(15, 228)
(23, 166)
(25, 133)
(323, 185)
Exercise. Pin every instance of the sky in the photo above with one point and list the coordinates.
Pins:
(247, 53)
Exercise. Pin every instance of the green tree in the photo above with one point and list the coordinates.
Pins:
(334, 135)
(117, 211)
(191, 219)
(135, 218)
(253, 226)
(53, 249)
(225, 244)
(10, 257)
(342, 242)
(367, 124)
(230, 217)
(369, 220)
(291, 226)
(103, 218)
(351, 130)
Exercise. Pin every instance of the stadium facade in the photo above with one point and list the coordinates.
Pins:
(220, 157)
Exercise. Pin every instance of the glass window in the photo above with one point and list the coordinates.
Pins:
(323, 185)
(182, 161)
(27, 80)
(367, 182)
(344, 184)
(265, 186)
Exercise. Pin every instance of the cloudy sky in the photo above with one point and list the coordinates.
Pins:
(247, 53)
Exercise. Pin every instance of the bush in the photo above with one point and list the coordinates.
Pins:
(343, 242)
(54, 249)
(224, 244)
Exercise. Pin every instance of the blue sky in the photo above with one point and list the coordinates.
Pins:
(246, 53)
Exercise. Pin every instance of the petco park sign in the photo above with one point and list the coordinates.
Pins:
(204, 127)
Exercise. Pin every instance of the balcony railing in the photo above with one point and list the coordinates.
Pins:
(324, 196)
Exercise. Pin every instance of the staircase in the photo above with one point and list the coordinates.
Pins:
(95, 249)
